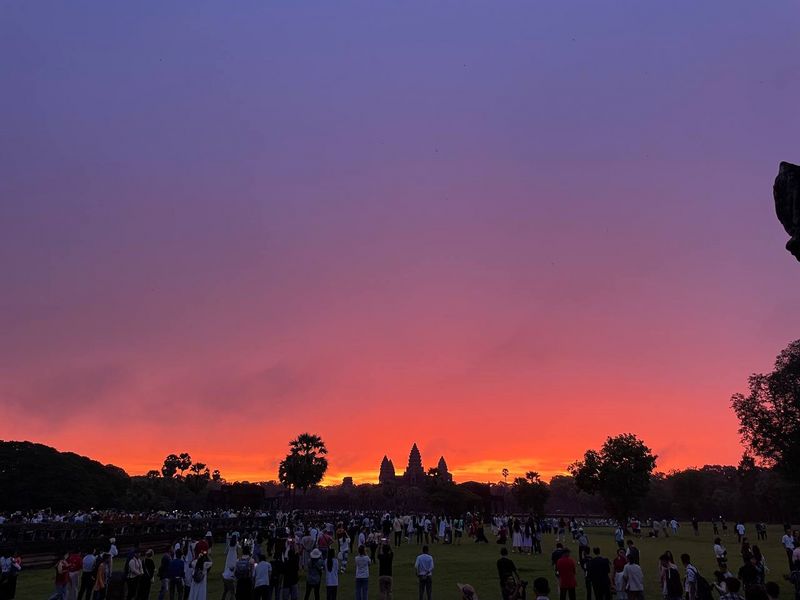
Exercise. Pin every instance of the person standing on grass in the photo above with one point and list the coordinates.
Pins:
(331, 575)
(619, 536)
(633, 552)
(100, 578)
(200, 567)
(567, 575)
(291, 575)
(599, 572)
(87, 575)
(228, 584)
(261, 578)
(146, 579)
(397, 528)
(385, 559)
(313, 573)
(633, 580)
(671, 585)
(135, 571)
(619, 565)
(362, 573)
(690, 585)
(506, 570)
(75, 562)
(62, 579)
(423, 566)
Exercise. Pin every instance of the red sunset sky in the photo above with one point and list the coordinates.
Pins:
(504, 232)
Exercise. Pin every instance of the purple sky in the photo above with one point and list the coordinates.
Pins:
(333, 215)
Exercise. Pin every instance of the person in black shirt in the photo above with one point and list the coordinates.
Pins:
(506, 571)
(748, 573)
(599, 575)
(632, 553)
(385, 570)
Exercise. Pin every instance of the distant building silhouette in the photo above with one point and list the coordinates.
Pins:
(414, 474)
(442, 469)
(386, 474)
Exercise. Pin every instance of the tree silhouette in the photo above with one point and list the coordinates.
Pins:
(305, 465)
(769, 416)
(170, 467)
(531, 492)
(198, 477)
(619, 473)
(184, 462)
(504, 472)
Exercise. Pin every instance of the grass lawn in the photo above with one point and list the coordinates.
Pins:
(475, 564)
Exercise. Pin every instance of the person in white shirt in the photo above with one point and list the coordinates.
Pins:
(740, 530)
(331, 572)
(691, 577)
(788, 544)
(720, 553)
(135, 571)
(423, 566)
(112, 552)
(261, 575)
(228, 584)
(362, 573)
(633, 580)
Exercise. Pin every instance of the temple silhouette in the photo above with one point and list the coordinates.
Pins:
(414, 474)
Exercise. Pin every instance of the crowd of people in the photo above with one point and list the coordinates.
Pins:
(267, 564)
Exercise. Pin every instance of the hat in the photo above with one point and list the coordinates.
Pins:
(315, 553)
(467, 591)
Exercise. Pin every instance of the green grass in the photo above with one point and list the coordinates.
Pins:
(475, 564)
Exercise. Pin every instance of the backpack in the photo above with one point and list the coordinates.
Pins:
(702, 586)
(242, 569)
(199, 572)
(674, 586)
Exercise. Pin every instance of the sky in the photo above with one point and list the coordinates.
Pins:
(502, 230)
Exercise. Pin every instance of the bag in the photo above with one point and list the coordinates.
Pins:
(242, 569)
(702, 586)
(199, 572)
(674, 586)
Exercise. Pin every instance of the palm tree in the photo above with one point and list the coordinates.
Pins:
(305, 465)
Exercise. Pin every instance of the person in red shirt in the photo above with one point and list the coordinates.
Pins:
(567, 580)
(75, 562)
(62, 579)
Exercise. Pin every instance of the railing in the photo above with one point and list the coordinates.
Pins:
(40, 544)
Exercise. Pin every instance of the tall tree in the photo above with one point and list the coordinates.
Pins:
(531, 492)
(305, 465)
(170, 467)
(769, 416)
(619, 473)
(184, 462)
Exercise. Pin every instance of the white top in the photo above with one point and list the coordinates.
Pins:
(424, 565)
(691, 577)
(362, 566)
(719, 550)
(788, 542)
(633, 577)
(262, 573)
(332, 576)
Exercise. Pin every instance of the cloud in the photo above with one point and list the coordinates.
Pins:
(67, 394)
